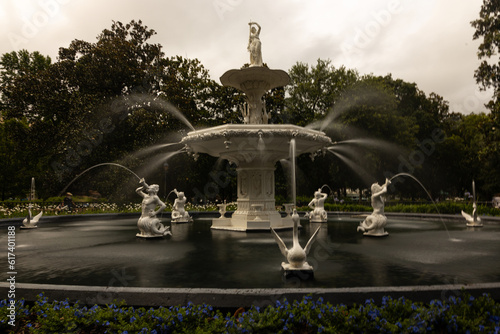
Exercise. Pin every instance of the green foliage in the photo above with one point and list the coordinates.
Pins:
(488, 73)
(455, 315)
(447, 207)
(314, 90)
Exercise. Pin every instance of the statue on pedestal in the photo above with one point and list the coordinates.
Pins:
(148, 224)
(296, 256)
(30, 221)
(179, 214)
(473, 220)
(254, 45)
(318, 214)
(374, 224)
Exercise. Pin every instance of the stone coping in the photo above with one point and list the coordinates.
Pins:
(235, 298)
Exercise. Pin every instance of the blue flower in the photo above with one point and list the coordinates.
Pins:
(132, 319)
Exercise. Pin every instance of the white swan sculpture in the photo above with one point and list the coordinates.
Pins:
(296, 256)
(30, 221)
(474, 220)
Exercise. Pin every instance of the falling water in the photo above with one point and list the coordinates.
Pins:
(155, 162)
(144, 151)
(171, 192)
(362, 173)
(326, 185)
(261, 145)
(372, 142)
(137, 100)
(32, 190)
(95, 166)
(433, 202)
(292, 172)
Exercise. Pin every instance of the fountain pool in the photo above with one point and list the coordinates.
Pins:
(105, 252)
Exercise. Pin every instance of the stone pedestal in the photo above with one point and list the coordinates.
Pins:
(289, 273)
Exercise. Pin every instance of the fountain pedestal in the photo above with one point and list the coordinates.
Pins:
(256, 204)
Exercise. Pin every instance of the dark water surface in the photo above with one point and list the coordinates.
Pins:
(107, 253)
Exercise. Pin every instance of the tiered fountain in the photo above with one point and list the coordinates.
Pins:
(255, 146)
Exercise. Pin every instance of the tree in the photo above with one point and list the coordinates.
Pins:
(488, 73)
(101, 101)
(488, 77)
(314, 90)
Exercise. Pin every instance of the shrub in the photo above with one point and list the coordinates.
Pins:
(455, 315)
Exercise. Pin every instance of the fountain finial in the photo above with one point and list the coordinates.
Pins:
(254, 44)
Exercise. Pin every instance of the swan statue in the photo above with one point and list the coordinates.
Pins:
(296, 256)
(474, 220)
(30, 221)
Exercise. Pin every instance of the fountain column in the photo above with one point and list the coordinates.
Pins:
(256, 203)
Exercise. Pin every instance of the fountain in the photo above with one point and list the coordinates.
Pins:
(373, 225)
(71, 253)
(254, 146)
(474, 220)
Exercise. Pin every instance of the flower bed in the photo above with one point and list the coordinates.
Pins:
(455, 315)
(15, 210)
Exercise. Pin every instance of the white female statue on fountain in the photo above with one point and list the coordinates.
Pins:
(318, 215)
(254, 45)
(179, 214)
(374, 224)
(148, 224)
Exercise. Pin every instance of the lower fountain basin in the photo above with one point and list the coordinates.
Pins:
(102, 252)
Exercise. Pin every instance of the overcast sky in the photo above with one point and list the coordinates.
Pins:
(428, 42)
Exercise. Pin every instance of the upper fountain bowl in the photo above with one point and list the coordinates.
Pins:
(261, 79)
